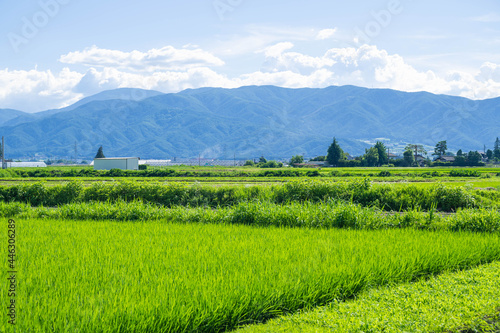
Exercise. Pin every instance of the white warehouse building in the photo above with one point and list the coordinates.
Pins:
(123, 163)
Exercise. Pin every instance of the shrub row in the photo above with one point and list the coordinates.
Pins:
(384, 196)
(47, 173)
(53, 173)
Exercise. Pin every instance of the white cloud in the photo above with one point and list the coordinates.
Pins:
(288, 79)
(370, 67)
(366, 66)
(326, 34)
(166, 58)
(167, 81)
(276, 50)
(260, 37)
(489, 71)
(37, 90)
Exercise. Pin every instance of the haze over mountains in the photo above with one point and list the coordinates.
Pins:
(249, 122)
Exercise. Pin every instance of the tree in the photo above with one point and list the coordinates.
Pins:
(417, 149)
(489, 154)
(460, 152)
(383, 158)
(496, 150)
(100, 154)
(473, 157)
(270, 164)
(371, 157)
(249, 163)
(460, 160)
(335, 153)
(440, 148)
(408, 157)
(318, 159)
(297, 159)
(262, 160)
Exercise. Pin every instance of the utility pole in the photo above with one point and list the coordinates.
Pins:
(199, 159)
(3, 154)
(234, 159)
(76, 152)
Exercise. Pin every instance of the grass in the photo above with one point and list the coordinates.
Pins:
(249, 172)
(159, 255)
(465, 301)
(169, 277)
(323, 215)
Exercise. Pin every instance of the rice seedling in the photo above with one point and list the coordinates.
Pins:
(107, 276)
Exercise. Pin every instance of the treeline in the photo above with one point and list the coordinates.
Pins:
(379, 155)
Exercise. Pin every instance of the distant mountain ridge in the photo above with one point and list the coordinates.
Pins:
(126, 94)
(252, 121)
(9, 114)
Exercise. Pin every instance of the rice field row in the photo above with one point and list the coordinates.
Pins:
(465, 301)
(323, 215)
(82, 276)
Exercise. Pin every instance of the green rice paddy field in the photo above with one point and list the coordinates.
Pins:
(346, 254)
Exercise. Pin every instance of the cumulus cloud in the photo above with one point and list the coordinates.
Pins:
(366, 66)
(167, 81)
(371, 67)
(166, 58)
(489, 72)
(36, 90)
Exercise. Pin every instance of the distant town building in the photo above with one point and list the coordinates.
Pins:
(158, 163)
(419, 158)
(122, 163)
(26, 164)
(311, 164)
(450, 159)
(392, 156)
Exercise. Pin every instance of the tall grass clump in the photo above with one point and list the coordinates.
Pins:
(38, 194)
(480, 220)
(168, 277)
(174, 194)
(385, 196)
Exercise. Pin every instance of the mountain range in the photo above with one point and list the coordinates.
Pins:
(248, 122)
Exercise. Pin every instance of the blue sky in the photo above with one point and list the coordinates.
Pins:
(55, 52)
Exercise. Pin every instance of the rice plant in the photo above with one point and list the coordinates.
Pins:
(107, 276)
(465, 301)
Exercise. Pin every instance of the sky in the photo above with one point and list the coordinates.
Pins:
(56, 52)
